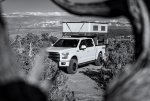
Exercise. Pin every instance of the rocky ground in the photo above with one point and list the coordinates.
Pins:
(85, 88)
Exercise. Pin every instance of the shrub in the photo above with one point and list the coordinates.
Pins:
(119, 54)
(26, 48)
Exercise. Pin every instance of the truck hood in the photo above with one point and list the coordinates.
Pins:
(59, 49)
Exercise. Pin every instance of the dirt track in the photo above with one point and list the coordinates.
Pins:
(85, 88)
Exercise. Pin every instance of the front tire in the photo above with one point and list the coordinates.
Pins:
(73, 66)
(99, 60)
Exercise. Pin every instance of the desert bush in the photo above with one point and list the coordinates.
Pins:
(119, 54)
(26, 48)
(44, 36)
(47, 40)
(53, 39)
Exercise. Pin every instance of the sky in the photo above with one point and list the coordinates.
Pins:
(10, 6)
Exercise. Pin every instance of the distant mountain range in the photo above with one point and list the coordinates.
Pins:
(27, 14)
(58, 14)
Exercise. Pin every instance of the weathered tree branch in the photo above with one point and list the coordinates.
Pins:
(104, 9)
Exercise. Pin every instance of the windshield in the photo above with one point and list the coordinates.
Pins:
(66, 43)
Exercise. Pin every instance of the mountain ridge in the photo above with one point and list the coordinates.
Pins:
(26, 14)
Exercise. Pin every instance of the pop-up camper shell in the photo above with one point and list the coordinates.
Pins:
(96, 30)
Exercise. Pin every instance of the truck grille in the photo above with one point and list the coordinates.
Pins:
(55, 56)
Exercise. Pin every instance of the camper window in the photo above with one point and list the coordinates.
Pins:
(103, 28)
(95, 28)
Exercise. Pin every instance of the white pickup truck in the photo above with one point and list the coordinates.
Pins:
(71, 52)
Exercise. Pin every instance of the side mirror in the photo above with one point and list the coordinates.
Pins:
(83, 47)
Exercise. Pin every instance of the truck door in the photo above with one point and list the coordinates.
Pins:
(82, 54)
(90, 49)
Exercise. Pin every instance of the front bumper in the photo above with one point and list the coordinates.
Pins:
(64, 63)
(56, 56)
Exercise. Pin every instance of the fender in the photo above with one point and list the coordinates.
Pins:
(100, 49)
(72, 55)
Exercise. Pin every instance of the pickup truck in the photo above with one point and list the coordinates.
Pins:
(71, 52)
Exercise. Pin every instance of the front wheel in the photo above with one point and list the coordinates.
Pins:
(73, 66)
(99, 60)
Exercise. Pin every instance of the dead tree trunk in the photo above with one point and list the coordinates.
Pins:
(133, 85)
(30, 50)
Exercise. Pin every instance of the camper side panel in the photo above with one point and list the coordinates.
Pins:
(76, 27)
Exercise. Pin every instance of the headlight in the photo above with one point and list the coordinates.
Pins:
(65, 55)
